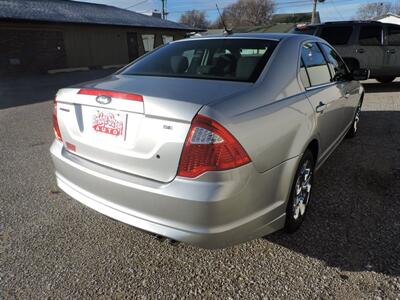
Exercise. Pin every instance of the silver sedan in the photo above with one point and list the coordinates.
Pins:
(211, 141)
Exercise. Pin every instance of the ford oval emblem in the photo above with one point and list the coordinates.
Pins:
(102, 99)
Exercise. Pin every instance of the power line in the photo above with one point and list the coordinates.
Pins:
(136, 4)
(208, 5)
(332, 2)
(297, 4)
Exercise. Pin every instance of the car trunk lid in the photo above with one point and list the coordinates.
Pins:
(143, 136)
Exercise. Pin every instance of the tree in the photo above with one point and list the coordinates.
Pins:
(248, 13)
(194, 18)
(370, 11)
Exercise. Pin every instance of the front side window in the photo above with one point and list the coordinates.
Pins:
(337, 35)
(223, 59)
(370, 36)
(315, 64)
(148, 42)
(336, 65)
(393, 35)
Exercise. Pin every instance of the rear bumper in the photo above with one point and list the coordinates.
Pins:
(216, 210)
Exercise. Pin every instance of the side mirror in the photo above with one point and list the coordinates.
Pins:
(360, 74)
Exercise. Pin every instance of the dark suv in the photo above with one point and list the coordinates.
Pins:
(363, 44)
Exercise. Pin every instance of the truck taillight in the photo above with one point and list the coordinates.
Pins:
(56, 128)
(210, 147)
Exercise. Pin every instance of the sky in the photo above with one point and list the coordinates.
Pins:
(330, 10)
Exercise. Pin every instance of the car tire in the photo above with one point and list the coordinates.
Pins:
(300, 193)
(354, 125)
(387, 79)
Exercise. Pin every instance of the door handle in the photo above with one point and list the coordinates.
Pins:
(321, 107)
(360, 50)
(391, 51)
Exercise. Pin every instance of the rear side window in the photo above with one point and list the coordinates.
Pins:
(370, 36)
(315, 63)
(393, 35)
(337, 35)
(220, 59)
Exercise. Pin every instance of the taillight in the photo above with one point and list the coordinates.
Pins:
(55, 123)
(112, 94)
(210, 147)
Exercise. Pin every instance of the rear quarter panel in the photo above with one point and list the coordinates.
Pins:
(273, 133)
(274, 120)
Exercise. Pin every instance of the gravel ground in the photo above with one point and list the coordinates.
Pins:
(54, 247)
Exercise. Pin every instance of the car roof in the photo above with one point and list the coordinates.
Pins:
(345, 23)
(266, 36)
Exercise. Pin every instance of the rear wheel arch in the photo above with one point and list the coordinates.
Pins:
(313, 147)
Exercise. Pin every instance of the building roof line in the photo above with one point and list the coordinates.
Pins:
(67, 11)
(389, 14)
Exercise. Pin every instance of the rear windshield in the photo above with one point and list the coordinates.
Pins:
(221, 59)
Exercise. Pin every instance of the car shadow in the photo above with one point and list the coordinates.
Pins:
(353, 222)
(376, 87)
(30, 88)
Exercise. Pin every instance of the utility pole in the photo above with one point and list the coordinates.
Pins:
(164, 12)
(314, 12)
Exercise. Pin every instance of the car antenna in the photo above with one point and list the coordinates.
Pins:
(228, 31)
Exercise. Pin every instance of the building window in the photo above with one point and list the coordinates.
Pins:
(167, 39)
(148, 42)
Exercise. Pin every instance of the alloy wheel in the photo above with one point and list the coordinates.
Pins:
(357, 118)
(302, 190)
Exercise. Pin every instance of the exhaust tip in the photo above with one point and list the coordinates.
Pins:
(161, 239)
